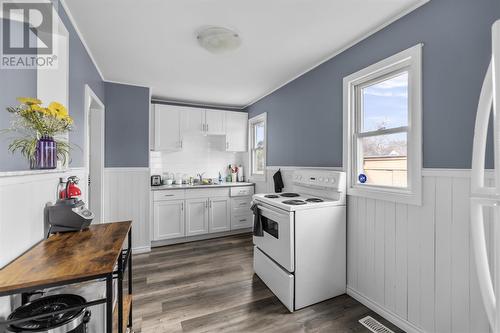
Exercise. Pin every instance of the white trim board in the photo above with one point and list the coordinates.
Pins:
(80, 35)
(393, 318)
(348, 46)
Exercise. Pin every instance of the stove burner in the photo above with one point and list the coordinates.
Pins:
(290, 195)
(271, 196)
(314, 200)
(294, 202)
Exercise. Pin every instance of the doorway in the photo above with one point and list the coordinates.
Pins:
(94, 153)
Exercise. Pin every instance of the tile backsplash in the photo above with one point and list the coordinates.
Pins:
(200, 154)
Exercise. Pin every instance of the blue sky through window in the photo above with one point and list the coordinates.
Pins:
(385, 104)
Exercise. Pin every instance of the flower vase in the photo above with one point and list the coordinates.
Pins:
(45, 153)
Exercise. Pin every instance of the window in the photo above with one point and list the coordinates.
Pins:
(382, 115)
(257, 142)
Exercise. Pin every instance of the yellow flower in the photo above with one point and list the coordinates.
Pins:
(58, 110)
(37, 108)
(29, 101)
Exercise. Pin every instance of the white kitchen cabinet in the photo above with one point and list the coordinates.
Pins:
(219, 215)
(215, 122)
(241, 215)
(167, 128)
(168, 219)
(196, 216)
(192, 120)
(236, 131)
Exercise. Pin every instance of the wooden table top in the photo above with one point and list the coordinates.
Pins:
(67, 256)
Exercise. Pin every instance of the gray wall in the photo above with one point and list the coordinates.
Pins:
(14, 83)
(127, 125)
(305, 116)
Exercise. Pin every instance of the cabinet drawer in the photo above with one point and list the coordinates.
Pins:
(168, 195)
(241, 221)
(241, 203)
(207, 193)
(241, 191)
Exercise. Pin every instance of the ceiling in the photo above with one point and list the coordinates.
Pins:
(153, 43)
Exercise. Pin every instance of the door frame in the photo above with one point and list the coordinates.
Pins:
(92, 101)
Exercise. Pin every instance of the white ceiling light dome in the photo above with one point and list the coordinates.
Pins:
(218, 39)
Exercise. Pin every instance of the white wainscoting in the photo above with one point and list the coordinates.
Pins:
(126, 197)
(414, 264)
(22, 201)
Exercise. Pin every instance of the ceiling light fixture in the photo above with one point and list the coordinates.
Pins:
(218, 39)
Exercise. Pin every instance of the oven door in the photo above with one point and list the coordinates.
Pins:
(278, 239)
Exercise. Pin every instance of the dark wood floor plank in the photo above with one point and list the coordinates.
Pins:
(209, 286)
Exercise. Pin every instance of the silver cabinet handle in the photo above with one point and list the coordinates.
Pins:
(243, 203)
(210, 203)
(243, 220)
(168, 195)
(207, 127)
(182, 206)
(181, 143)
(206, 204)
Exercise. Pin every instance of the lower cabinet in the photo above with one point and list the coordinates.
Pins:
(196, 216)
(180, 214)
(168, 219)
(219, 215)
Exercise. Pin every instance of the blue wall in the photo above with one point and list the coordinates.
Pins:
(14, 83)
(305, 116)
(127, 125)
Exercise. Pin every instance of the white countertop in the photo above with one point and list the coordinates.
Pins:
(186, 186)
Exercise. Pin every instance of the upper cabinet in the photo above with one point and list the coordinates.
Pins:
(215, 122)
(192, 120)
(170, 124)
(166, 121)
(236, 131)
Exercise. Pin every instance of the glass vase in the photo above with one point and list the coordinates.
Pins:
(46, 153)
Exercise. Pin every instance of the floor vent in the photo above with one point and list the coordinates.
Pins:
(374, 325)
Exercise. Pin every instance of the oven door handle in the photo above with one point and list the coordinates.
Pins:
(271, 211)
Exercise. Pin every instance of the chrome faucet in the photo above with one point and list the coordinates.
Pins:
(200, 176)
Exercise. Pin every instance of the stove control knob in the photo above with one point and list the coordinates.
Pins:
(320, 179)
(327, 180)
(333, 180)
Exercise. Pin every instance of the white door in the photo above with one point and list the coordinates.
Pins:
(219, 215)
(168, 219)
(192, 120)
(167, 128)
(236, 131)
(96, 161)
(215, 122)
(196, 216)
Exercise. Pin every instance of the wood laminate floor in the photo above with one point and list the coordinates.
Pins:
(209, 286)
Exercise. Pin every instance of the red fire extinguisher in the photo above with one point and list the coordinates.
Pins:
(69, 189)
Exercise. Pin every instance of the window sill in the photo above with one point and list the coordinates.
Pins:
(377, 193)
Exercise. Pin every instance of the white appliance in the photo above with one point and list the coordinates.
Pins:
(301, 256)
(484, 196)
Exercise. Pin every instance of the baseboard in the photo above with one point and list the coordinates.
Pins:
(387, 314)
(141, 249)
(199, 237)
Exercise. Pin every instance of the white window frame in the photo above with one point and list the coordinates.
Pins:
(261, 118)
(409, 60)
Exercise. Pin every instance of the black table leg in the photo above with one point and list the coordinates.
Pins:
(130, 276)
(109, 303)
(120, 295)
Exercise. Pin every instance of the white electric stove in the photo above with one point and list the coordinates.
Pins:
(301, 256)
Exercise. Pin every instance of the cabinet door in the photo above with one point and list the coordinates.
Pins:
(167, 128)
(236, 131)
(215, 122)
(168, 219)
(196, 216)
(219, 215)
(192, 120)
